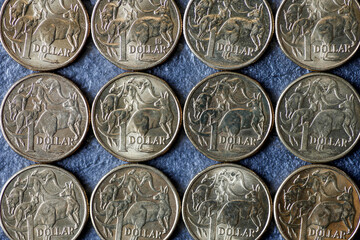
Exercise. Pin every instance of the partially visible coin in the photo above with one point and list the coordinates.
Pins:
(136, 116)
(317, 117)
(318, 35)
(226, 201)
(228, 34)
(44, 117)
(43, 35)
(136, 35)
(228, 116)
(43, 202)
(317, 202)
(134, 201)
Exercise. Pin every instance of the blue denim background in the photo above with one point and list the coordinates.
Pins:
(182, 71)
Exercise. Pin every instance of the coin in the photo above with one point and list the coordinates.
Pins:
(42, 202)
(317, 202)
(136, 35)
(228, 116)
(226, 201)
(318, 35)
(228, 34)
(44, 35)
(134, 201)
(316, 117)
(44, 117)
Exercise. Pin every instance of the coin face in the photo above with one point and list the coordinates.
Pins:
(134, 201)
(316, 117)
(228, 34)
(136, 35)
(43, 35)
(136, 117)
(43, 202)
(226, 201)
(317, 202)
(227, 116)
(318, 35)
(44, 117)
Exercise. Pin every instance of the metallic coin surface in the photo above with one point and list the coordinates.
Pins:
(134, 201)
(43, 202)
(44, 117)
(44, 35)
(318, 35)
(317, 202)
(228, 34)
(226, 201)
(136, 116)
(228, 116)
(136, 35)
(316, 117)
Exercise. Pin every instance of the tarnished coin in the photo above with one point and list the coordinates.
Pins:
(136, 35)
(228, 116)
(226, 201)
(44, 35)
(44, 117)
(134, 201)
(317, 202)
(228, 34)
(43, 202)
(317, 117)
(136, 116)
(318, 35)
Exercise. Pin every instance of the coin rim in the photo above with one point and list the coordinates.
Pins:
(66, 63)
(300, 169)
(137, 165)
(228, 159)
(71, 175)
(44, 160)
(329, 159)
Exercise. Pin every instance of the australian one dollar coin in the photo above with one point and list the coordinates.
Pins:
(318, 35)
(134, 34)
(44, 117)
(43, 202)
(134, 202)
(228, 116)
(317, 117)
(44, 35)
(136, 117)
(317, 202)
(226, 201)
(228, 34)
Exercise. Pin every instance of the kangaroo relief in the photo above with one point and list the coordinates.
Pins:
(44, 117)
(316, 117)
(144, 204)
(227, 116)
(44, 35)
(52, 204)
(136, 116)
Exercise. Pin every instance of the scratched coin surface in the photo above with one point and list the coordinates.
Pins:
(317, 117)
(45, 34)
(134, 201)
(317, 202)
(133, 34)
(43, 202)
(228, 116)
(136, 117)
(228, 34)
(226, 201)
(318, 35)
(44, 117)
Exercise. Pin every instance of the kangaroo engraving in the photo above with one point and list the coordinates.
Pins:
(109, 13)
(18, 102)
(293, 13)
(202, 9)
(202, 191)
(110, 191)
(18, 9)
(16, 196)
(119, 116)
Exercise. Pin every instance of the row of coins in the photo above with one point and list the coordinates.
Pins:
(138, 35)
(137, 201)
